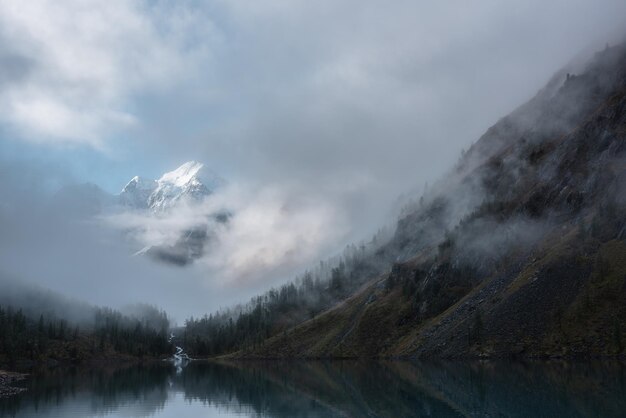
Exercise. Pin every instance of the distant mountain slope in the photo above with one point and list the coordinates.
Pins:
(519, 250)
(137, 192)
(82, 200)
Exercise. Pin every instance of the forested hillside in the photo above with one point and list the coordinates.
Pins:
(293, 303)
(518, 250)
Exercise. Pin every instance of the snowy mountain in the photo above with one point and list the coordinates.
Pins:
(190, 182)
(154, 204)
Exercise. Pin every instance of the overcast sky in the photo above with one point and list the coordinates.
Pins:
(320, 113)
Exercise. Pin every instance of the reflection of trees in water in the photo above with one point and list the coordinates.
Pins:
(348, 388)
(355, 388)
(98, 389)
(247, 389)
(145, 385)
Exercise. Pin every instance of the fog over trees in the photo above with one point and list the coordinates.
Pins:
(38, 325)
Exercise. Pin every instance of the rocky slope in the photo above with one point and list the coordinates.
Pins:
(519, 251)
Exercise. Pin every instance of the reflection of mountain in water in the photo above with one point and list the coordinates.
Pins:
(340, 388)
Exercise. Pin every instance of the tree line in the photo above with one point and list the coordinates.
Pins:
(27, 337)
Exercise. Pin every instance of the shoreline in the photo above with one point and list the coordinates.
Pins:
(546, 357)
(7, 379)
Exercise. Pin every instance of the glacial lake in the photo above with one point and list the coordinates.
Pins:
(327, 389)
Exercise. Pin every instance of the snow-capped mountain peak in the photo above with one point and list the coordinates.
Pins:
(183, 174)
(192, 181)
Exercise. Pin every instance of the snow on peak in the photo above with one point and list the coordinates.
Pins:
(191, 181)
(189, 174)
(183, 174)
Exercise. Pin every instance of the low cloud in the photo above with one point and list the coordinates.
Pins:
(265, 234)
(271, 234)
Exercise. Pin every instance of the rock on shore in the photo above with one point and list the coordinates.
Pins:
(7, 379)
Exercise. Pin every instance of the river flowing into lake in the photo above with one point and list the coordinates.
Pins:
(326, 389)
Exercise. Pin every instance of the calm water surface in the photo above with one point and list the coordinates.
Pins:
(327, 389)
